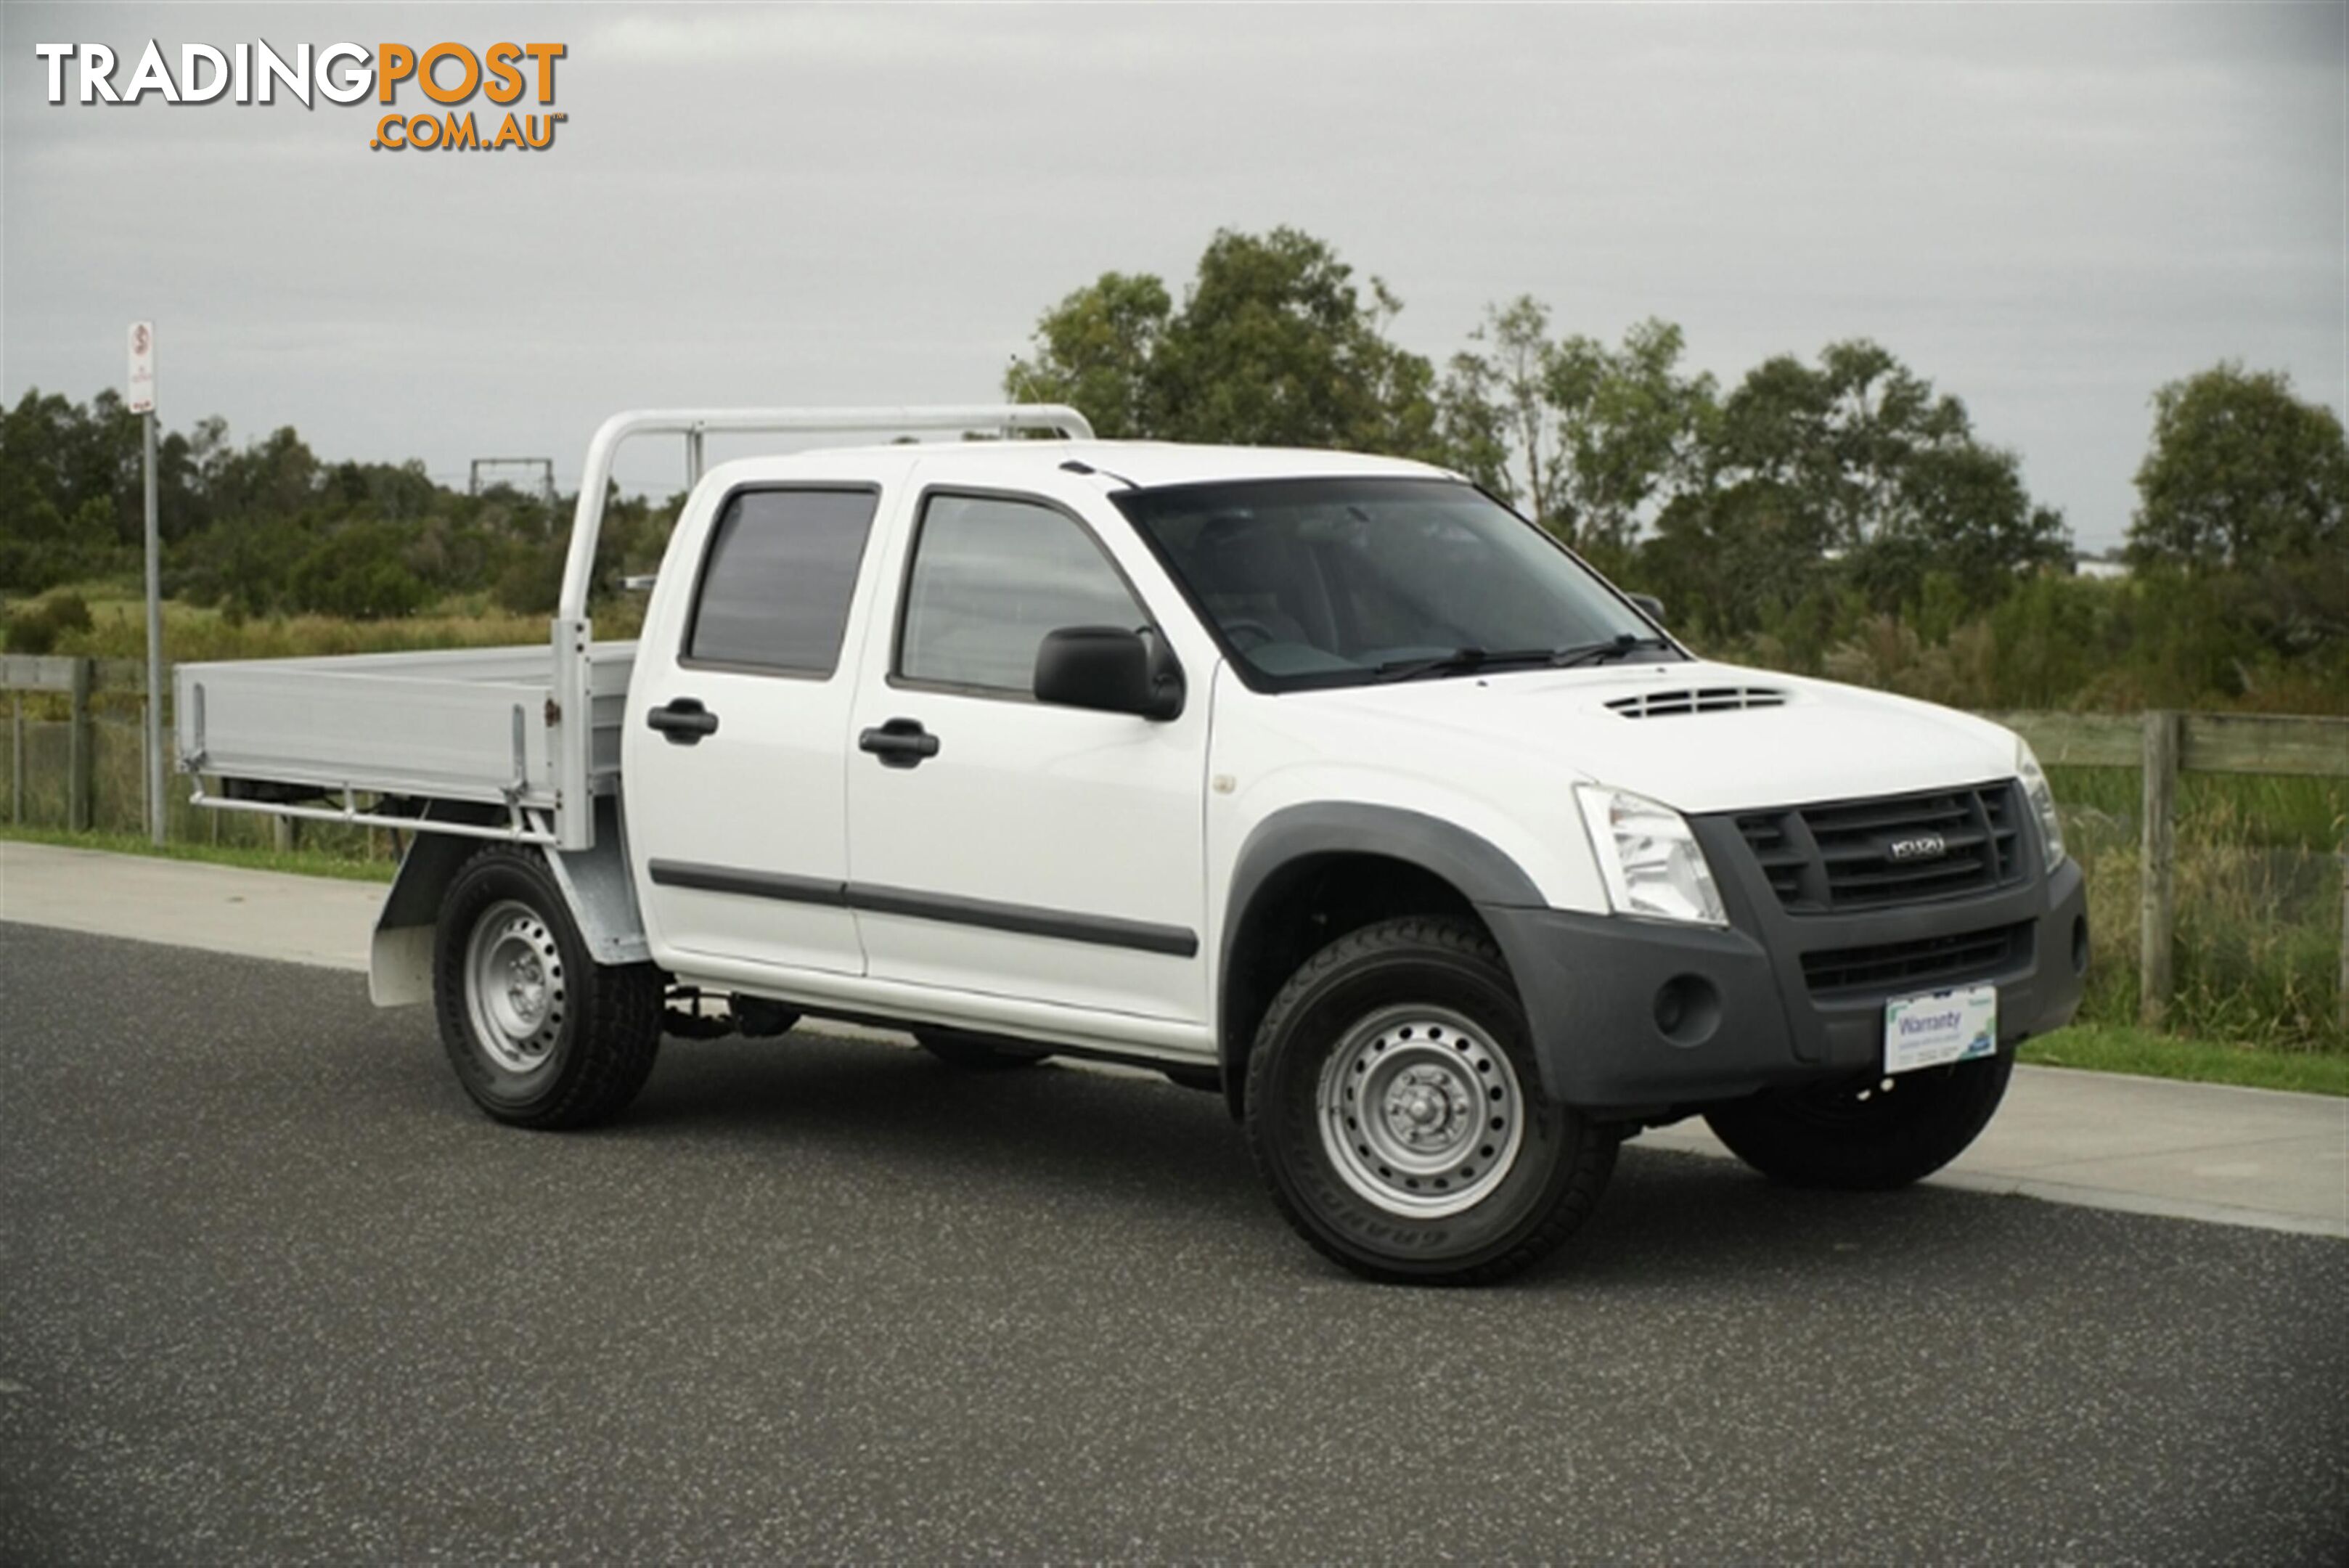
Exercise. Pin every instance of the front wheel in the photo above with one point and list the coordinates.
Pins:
(1397, 1115)
(540, 1035)
(1866, 1134)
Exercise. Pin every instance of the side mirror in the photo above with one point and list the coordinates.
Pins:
(1649, 606)
(1109, 669)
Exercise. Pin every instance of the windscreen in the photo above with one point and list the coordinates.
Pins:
(1335, 582)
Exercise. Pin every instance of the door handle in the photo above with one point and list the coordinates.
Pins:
(684, 721)
(899, 743)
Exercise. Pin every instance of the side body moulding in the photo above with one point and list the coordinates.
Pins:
(1028, 919)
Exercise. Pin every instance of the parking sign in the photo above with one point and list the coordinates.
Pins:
(142, 367)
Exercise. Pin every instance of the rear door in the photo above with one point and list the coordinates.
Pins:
(739, 712)
(1015, 848)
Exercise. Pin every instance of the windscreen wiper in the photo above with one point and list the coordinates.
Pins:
(1620, 646)
(1461, 660)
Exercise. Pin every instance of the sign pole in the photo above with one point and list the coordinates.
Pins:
(156, 813)
(142, 402)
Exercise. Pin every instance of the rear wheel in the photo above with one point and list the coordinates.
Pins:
(974, 1053)
(539, 1034)
(1397, 1115)
(1867, 1133)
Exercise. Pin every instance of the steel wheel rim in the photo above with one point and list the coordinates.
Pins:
(514, 991)
(1421, 1114)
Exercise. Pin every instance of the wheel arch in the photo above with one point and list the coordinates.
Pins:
(595, 887)
(1307, 873)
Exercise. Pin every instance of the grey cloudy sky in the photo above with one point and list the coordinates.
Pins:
(2049, 211)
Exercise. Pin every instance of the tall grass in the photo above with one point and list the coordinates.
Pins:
(2258, 894)
(192, 633)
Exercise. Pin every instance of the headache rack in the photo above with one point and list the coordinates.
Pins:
(502, 742)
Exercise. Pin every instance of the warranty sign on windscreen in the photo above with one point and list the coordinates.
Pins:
(517, 80)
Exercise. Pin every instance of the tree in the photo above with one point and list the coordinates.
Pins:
(1094, 349)
(356, 572)
(1836, 437)
(69, 496)
(1631, 426)
(1959, 512)
(1275, 345)
(2240, 473)
(1473, 427)
(1586, 439)
(1860, 475)
(278, 475)
(397, 491)
(1731, 560)
(1497, 406)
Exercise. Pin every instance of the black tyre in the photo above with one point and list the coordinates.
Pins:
(540, 1035)
(975, 1052)
(1395, 1111)
(1866, 1134)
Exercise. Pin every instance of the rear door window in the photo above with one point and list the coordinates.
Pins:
(777, 580)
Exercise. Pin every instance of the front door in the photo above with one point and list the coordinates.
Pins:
(1001, 846)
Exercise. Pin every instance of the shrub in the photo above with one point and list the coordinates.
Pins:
(37, 628)
(357, 572)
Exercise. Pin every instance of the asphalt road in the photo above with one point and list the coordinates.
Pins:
(269, 1288)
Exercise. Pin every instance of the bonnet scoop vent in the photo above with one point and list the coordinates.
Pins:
(1697, 700)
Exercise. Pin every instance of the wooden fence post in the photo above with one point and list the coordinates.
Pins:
(17, 755)
(2157, 867)
(80, 783)
(2341, 996)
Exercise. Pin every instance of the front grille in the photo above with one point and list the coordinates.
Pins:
(1925, 963)
(1897, 849)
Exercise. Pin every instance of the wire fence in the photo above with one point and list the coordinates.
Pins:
(45, 785)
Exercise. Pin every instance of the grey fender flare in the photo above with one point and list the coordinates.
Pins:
(1483, 873)
(595, 882)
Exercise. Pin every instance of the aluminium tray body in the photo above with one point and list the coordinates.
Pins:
(477, 725)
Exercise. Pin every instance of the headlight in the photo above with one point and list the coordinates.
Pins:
(1650, 860)
(2043, 801)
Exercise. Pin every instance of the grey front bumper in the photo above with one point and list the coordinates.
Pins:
(1639, 1016)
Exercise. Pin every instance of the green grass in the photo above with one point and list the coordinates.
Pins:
(2258, 888)
(307, 862)
(2125, 1048)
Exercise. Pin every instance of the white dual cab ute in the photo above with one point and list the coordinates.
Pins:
(1322, 781)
